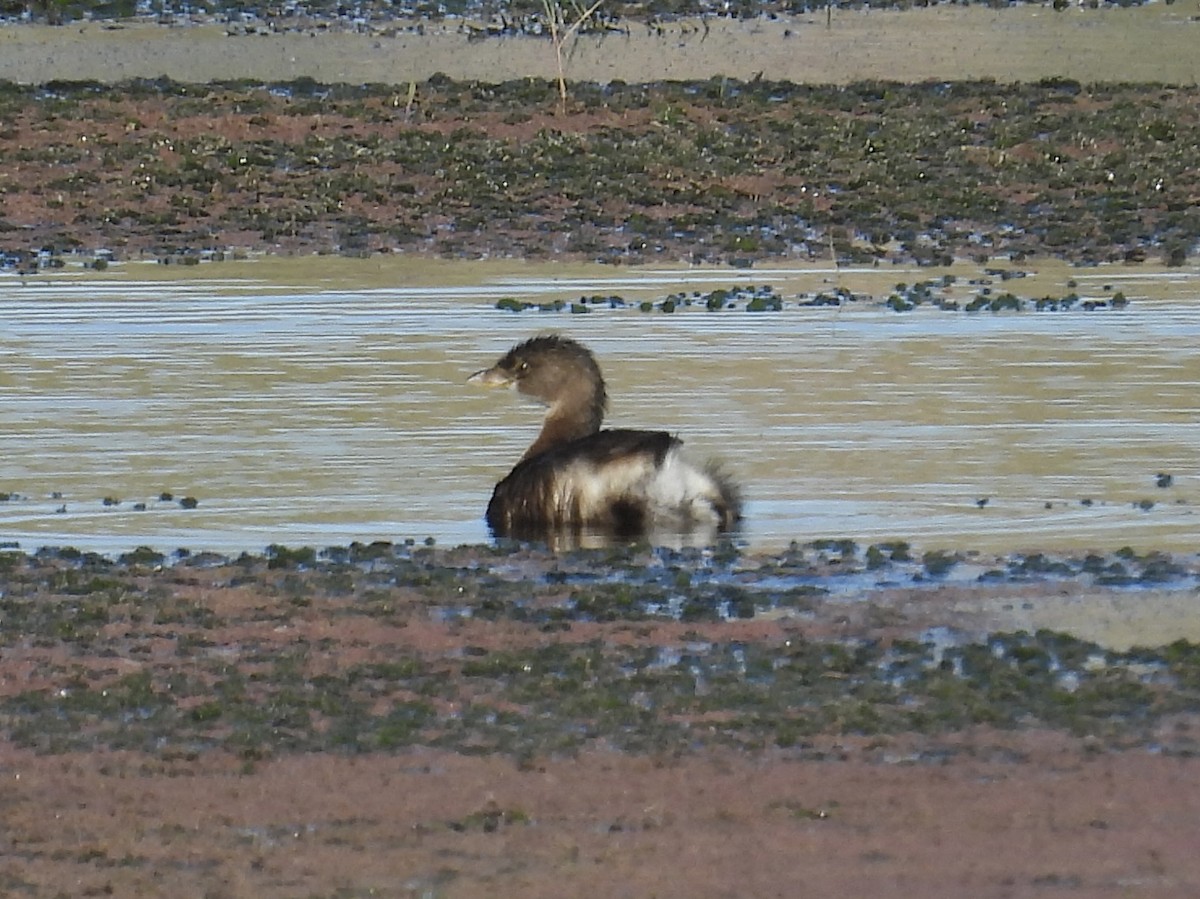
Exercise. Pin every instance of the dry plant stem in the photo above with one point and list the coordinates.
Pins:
(412, 96)
(555, 15)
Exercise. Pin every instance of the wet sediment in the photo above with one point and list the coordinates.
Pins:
(516, 651)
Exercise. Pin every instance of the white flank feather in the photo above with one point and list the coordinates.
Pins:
(676, 492)
(679, 491)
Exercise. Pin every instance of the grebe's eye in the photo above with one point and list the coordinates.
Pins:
(522, 368)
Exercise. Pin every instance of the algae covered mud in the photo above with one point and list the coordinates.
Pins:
(434, 705)
(380, 647)
(320, 402)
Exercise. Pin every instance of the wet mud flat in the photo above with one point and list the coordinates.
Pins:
(715, 171)
(408, 720)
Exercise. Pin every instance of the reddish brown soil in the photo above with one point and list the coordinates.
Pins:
(1003, 818)
(634, 175)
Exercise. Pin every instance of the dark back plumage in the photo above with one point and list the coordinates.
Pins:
(545, 491)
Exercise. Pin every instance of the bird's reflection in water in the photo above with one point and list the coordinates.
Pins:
(594, 537)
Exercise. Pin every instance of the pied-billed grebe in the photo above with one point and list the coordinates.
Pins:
(576, 477)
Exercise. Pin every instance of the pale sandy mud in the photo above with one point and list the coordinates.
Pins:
(1155, 43)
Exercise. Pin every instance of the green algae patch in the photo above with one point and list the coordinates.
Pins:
(383, 648)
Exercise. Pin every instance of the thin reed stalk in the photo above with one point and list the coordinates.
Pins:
(560, 32)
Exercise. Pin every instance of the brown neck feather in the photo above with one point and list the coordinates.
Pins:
(569, 419)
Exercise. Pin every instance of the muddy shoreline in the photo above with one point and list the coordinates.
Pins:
(716, 172)
(855, 719)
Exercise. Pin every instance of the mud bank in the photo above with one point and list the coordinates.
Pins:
(408, 721)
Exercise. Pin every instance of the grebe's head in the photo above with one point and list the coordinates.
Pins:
(552, 369)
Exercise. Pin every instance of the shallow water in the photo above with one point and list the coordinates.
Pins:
(337, 410)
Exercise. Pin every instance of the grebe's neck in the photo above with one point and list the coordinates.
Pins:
(577, 412)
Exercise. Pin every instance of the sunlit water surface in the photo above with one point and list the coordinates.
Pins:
(335, 412)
